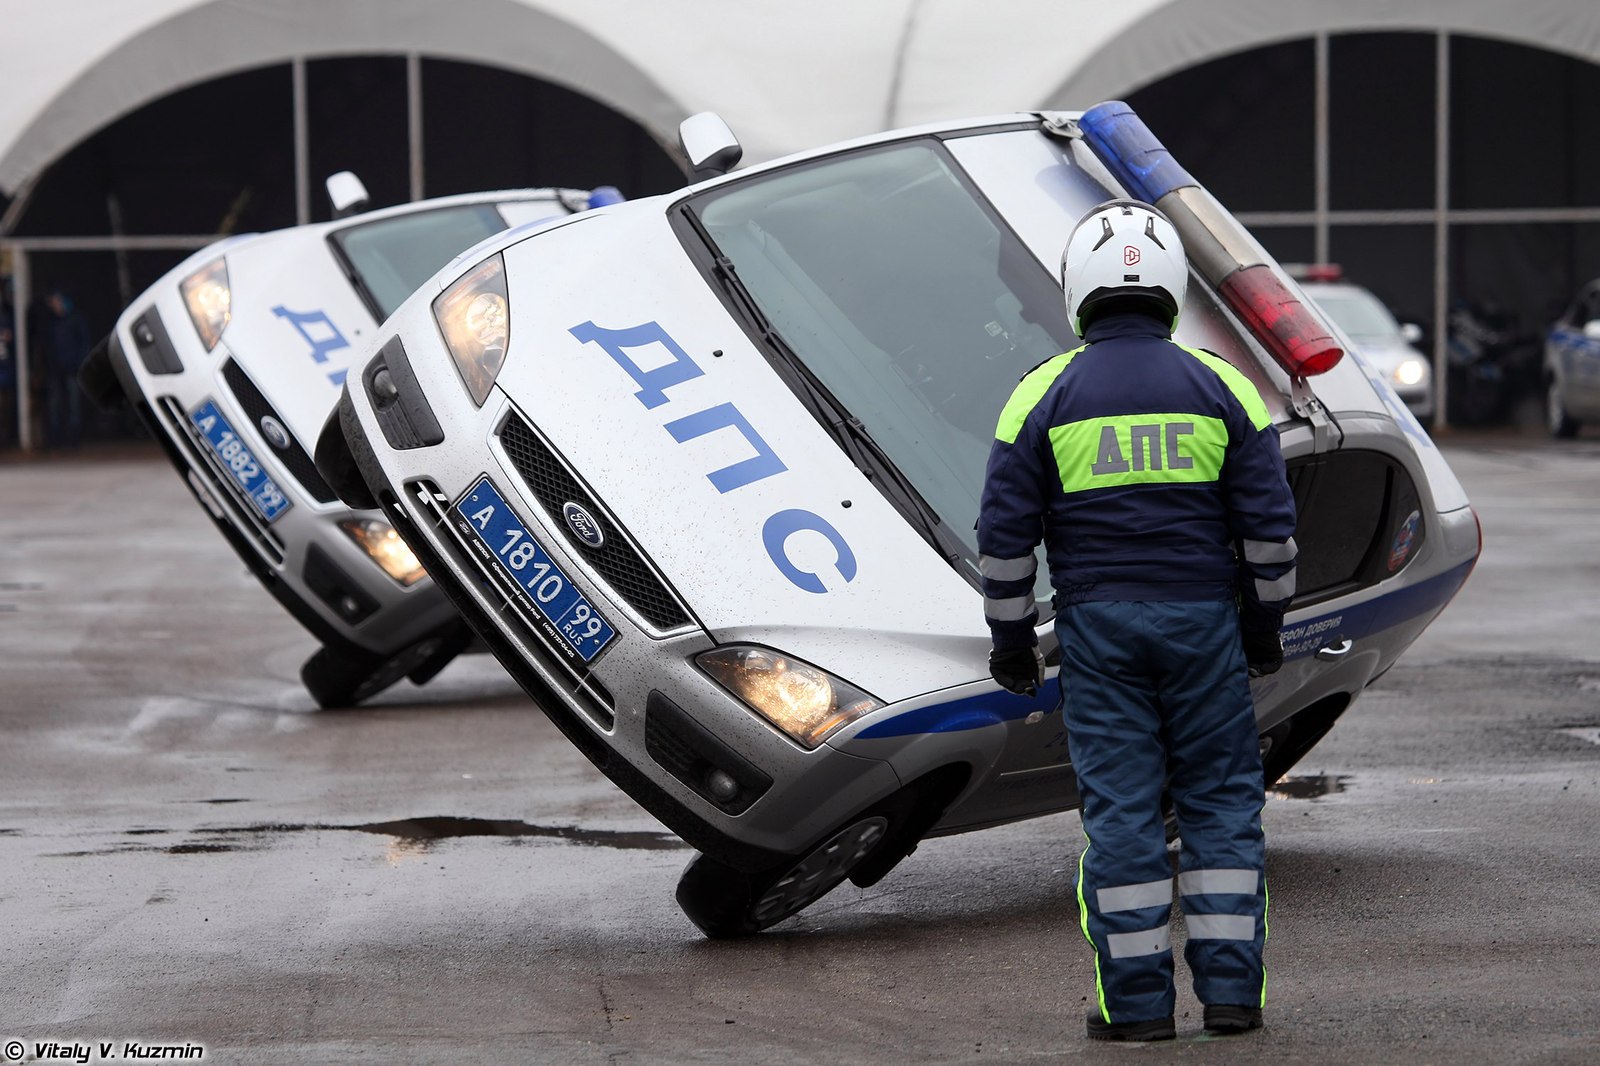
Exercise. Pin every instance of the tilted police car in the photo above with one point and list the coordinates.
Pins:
(703, 471)
(235, 358)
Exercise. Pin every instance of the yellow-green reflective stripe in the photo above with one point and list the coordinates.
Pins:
(1241, 387)
(1029, 391)
(1083, 921)
(1102, 453)
(1266, 904)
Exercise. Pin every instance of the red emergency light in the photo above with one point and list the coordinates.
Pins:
(1295, 337)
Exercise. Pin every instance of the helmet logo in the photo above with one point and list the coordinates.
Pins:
(1130, 255)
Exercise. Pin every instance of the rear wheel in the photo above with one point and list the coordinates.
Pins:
(727, 902)
(344, 679)
(1560, 423)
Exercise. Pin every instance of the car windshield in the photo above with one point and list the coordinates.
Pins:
(904, 294)
(392, 256)
(1359, 313)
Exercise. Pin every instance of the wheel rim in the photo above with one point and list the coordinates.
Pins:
(813, 876)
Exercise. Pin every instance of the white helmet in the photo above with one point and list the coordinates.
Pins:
(1123, 248)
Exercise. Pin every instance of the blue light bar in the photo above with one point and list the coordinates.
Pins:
(604, 195)
(1120, 139)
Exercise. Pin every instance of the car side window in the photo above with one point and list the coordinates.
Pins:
(1360, 522)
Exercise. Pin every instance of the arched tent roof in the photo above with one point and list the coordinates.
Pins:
(1174, 35)
(786, 76)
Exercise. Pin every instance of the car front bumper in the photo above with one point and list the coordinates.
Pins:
(642, 711)
(301, 556)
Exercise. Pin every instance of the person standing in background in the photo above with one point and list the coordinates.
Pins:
(66, 342)
(8, 372)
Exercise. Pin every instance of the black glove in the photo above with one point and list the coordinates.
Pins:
(1019, 670)
(1262, 651)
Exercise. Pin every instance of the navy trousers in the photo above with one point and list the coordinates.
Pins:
(1157, 693)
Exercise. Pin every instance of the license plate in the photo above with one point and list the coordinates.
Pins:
(521, 561)
(237, 460)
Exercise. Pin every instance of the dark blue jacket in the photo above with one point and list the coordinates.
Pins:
(1149, 470)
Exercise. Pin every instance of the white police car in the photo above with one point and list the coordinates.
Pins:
(703, 471)
(235, 358)
(1387, 346)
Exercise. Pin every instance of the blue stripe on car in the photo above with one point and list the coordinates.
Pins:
(1373, 616)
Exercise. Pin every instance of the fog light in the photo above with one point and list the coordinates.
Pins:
(722, 786)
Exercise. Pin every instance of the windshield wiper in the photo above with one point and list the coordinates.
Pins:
(847, 431)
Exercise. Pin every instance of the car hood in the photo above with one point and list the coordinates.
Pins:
(297, 325)
(627, 361)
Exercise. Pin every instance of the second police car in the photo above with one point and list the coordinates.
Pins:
(703, 471)
(233, 360)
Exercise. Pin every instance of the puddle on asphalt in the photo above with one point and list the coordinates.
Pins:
(1309, 786)
(419, 834)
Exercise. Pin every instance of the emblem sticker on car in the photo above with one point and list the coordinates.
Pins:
(583, 525)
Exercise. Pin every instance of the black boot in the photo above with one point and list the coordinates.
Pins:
(1154, 1029)
(1224, 1018)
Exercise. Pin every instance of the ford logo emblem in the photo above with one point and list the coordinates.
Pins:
(583, 525)
(276, 435)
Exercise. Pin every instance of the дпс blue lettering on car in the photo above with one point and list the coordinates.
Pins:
(653, 383)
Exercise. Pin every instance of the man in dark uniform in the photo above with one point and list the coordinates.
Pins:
(1152, 473)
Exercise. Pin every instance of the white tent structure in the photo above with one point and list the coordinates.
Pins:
(785, 75)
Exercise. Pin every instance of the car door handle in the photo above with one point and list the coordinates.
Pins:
(1335, 651)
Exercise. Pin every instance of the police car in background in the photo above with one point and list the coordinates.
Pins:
(703, 471)
(1386, 346)
(235, 358)
(1571, 370)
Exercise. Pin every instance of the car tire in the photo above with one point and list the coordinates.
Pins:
(98, 378)
(344, 679)
(1561, 425)
(726, 902)
(453, 640)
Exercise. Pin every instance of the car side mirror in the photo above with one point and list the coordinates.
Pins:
(709, 144)
(347, 194)
(1411, 333)
(1591, 329)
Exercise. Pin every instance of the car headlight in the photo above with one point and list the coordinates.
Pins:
(803, 701)
(384, 547)
(1410, 372)
(210, 301)
(474, 315)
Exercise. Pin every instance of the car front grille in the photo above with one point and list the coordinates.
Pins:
(294, 458)
(204, 465)
(617, 562)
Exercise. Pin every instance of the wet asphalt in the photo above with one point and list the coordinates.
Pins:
(191, 854)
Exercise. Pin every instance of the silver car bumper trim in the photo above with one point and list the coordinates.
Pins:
(222, 487)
